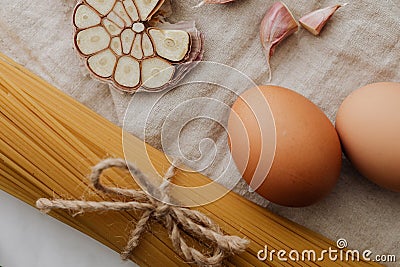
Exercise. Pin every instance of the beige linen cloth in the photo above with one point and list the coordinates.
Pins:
(360, 45)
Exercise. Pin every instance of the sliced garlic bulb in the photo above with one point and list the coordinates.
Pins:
(114, 39)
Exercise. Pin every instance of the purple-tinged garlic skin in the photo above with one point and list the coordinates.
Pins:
(278, 23)
(316, 20)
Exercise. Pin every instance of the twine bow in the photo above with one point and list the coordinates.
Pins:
(175, 219)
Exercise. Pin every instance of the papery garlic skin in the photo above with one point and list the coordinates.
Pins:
(214, 2)
(316, 20)
(119, 47)
(278, 23)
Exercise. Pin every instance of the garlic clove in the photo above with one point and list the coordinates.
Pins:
(127, 72)
(172, 45)
(147, 8)
(131, 9)
(147, 46)
(111, 27)
(316, 20)
(127, 37)
(116, 19)
(156, 72)
(119, 9)
(137, 47)
(102, 64)
(85, 17)
(116, 46)
(278, 23)
(102, 6)
(92, 40)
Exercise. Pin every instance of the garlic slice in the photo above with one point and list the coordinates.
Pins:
(102, 64)
(85, 17)
(156, 72)
(92, 40)
(102, 6)
(170, 44)
(123, 47)
(316, 20)
(127, 72)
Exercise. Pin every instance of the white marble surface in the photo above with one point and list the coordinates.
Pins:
(29, 238)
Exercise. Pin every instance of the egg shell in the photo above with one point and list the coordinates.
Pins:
(368, 123)
(306, 161)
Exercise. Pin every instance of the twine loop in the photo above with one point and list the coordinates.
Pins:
(177, 220)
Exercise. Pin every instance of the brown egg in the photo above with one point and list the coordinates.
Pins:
(368, 123)
(295, 163)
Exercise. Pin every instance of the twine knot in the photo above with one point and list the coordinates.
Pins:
(161, 211)
(175, 219)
